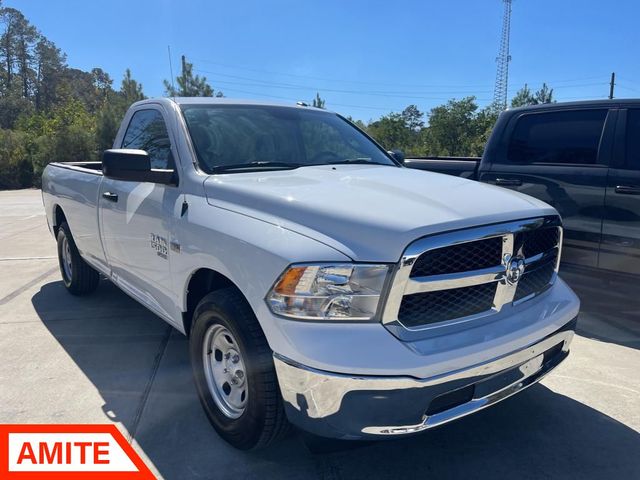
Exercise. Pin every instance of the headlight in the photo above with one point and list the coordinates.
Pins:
(328, 292)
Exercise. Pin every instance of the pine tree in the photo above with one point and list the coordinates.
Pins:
(25, 36)
(131, 90)
(112, 112)
(9, 18)
(525, 96)
(318, 102)
(544, 95)
(49, 67)
(189, 85)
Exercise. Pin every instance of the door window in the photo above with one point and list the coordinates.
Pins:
(562, 137)
(147, 131)
(633, 140)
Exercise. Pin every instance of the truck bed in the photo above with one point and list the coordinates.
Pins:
(74, 188)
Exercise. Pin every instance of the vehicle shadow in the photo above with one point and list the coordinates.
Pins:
(610, 305)
(141, 369)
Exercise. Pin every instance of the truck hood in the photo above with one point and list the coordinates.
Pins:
(368, 212)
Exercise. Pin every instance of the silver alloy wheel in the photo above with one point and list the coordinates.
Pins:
(225, 371)
(66, 258)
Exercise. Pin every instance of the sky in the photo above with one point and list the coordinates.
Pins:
(365, 58)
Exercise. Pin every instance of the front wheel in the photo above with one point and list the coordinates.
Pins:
(234, 372)
(78, 276)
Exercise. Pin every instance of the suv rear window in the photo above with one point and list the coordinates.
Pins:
(564, 137)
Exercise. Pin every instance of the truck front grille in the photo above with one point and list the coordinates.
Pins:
(537, 241)
(460, 275)
(537, 278)
(433, 307)
(459, 258)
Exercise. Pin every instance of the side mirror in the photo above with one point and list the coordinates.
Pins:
(133, 166)
(397, 155)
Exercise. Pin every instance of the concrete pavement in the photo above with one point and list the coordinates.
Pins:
(105, 359)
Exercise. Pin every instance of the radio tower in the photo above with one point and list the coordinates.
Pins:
(503, 59)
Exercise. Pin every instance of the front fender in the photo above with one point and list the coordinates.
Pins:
(248, 251)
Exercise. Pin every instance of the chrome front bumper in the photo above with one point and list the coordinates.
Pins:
(352, 407)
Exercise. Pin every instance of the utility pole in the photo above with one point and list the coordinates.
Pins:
(503, 59)
(612, 84)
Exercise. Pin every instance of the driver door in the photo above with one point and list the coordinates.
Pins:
(137, 219)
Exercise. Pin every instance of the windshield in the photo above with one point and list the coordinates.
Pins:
(245, 137)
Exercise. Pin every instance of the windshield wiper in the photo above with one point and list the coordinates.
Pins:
(255, 166)
(356, 160)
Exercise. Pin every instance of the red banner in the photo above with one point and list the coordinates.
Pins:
(69, 452)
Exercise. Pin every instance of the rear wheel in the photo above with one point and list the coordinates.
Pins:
(78, 276)
(234, 372)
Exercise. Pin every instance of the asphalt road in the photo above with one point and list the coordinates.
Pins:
(105, 359)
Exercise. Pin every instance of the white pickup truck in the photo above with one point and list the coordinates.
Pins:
(320, 281)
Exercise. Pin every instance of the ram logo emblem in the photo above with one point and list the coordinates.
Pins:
(515, 269)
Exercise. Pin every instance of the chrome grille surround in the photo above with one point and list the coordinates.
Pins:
(404, 284)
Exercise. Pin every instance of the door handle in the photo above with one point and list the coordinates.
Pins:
(628, 189)
(508, 182)
(112, 197)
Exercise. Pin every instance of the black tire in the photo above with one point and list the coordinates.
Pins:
(263, 420)
(83, 279)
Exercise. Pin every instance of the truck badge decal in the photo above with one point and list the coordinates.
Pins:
(159, 244)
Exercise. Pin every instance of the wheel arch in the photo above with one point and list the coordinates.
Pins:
(200, 283)
(58, 218)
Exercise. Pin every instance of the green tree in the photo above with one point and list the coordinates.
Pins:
(49, 111)
(413, 118)
(17, 44)
(189, 84)
(130, 89)
(484, 122)
(11, 108)
(414, 123)
(358, 123)
(107, 123)
(79, 85)
(318, 102)
(102, 84)
(111, 114)
(16, 170)
(9, 17)
(544, 95)
(452, 128)
(49, 73)
(26, 36)
(399, 130)
(525, 96)
(390, 131)
(67, 134)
